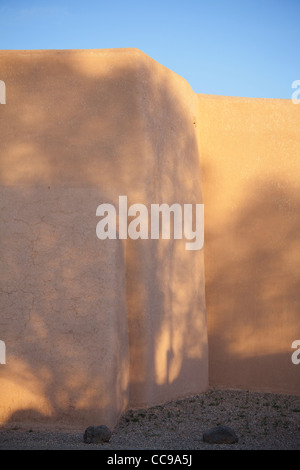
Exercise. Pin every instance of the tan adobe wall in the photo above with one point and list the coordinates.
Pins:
(250, 155)
(94, 326)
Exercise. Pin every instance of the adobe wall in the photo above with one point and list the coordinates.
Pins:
(93, 326)
(250, 155)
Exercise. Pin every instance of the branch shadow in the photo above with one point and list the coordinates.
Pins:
(73, 135)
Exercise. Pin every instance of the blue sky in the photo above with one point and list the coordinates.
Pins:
(224, 47)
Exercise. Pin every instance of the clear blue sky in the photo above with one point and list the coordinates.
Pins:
(225, 47)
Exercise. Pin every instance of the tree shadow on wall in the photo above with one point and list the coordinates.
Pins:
(165, 288)
(72, 137)
(252, 288)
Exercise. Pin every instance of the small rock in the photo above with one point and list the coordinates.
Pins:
(220, 435)
(96, 434)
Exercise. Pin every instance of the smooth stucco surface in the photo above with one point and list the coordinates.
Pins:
(93, 326)
(250, 150)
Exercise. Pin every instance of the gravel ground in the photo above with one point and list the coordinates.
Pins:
(260, 420)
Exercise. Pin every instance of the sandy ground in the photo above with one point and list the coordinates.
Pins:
(262, 421)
